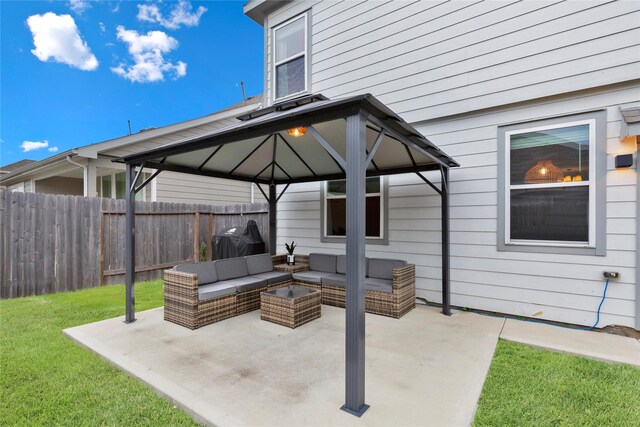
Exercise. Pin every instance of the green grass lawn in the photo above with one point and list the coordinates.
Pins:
(532, 387)
(46, 379)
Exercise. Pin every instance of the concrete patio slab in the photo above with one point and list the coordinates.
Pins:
(424, 369)
(595, 345)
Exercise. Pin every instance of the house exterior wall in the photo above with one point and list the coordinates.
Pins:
(59, 185)
(457, 71)
(434, 59)
(183, 188)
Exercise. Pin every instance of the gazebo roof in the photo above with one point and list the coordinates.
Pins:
(264, 152)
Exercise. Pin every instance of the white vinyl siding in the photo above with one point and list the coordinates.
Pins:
(183, 188)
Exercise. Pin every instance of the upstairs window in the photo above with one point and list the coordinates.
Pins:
(550, 185)
(290, 57)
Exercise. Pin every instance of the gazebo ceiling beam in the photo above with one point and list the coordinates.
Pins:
(210, 156)
(249, 155)
(371, 173)
(202, 172)
(297, 155)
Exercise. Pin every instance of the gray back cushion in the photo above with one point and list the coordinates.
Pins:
(341, 264)
(257, 264)
(206, 271)
(231, 268)
(323, 262)
(382, 268)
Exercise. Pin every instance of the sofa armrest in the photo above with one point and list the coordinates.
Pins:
(278, 259)
(404, 276)
(181, 281)
(282, 259)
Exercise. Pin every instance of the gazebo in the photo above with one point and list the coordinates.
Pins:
(311, 138)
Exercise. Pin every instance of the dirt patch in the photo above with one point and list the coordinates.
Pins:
(624, 331)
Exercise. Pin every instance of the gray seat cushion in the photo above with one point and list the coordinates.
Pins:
(382, 268)
(310, 276)
(335, 280)
(247, 283)
(231, 268)
(257, 264)
(323, 262)
(274, 276)
(206, 271)
(380, 285)
(215, 290)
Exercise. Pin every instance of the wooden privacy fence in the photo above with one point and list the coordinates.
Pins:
(51, 243)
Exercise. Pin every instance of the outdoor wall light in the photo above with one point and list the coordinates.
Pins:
(624, 161)
(297, 131)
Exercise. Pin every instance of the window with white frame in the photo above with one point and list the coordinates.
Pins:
(550, 185)
(335, 209)
(290, 57)
(113, 186)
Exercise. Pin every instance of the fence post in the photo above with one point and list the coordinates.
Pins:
(196, 236)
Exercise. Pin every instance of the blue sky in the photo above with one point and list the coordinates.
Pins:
(75, 80)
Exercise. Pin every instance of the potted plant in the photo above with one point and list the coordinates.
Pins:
(291, 258)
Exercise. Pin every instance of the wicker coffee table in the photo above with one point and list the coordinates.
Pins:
(290, 306)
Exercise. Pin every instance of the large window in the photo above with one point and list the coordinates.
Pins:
(290, 57)
(550, 185)
(335, 210)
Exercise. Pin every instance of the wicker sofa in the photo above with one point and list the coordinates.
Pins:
(389, 284)
(197, 294)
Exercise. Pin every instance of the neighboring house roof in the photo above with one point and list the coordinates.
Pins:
(227, 116)
(16, 165)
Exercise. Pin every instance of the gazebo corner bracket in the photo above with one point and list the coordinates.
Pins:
(332, 152)
(132, 188)
(375, 147)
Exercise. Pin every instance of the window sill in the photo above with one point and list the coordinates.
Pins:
(343, 240)
(290, 97)
(555, 249)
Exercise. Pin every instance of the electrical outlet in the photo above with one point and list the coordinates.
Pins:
(611, 274)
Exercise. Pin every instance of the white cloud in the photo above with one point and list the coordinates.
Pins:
(182, 14)
(79, 6)
(56, 37)
(102, 27)
(33, 145)
(147, 52)
(52, 149)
